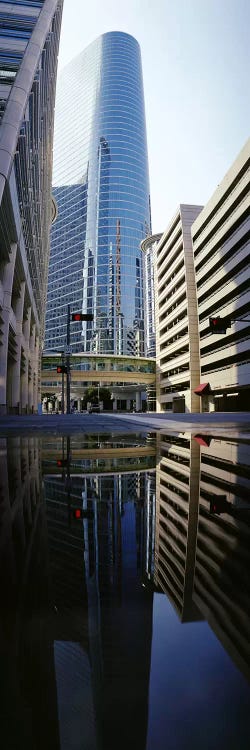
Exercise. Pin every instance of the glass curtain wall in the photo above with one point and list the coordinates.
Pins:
(101, 186)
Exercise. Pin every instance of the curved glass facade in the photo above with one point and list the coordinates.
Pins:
(101, 186)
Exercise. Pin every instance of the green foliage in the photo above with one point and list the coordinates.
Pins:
(91, 396)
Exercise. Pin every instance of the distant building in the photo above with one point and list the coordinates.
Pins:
(221, 244)
(177, 342)
(148, 247)
(127, 378)
(29, 40)
(101, 185)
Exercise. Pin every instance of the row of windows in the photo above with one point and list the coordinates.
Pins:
(168, 341)
(170, 309)
(175, 371)
(174, 322)
(175, 355)
(172, 275)
(221, 284)
(230, 191)
(223, 259)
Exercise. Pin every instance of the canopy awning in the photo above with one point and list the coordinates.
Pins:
(202, 389)
(203, 440)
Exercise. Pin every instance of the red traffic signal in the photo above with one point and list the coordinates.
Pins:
(81, 316)
(218, 324)
(79, 513)
(61, 462)
(61, 369)
(219, 505)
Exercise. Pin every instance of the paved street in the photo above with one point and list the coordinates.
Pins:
(228, 423)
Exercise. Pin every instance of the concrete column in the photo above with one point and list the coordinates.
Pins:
(33, 369)
(79, 404)
(128, 404)
(36, 372)
(15, 386)
(115, 404)
(7, 284)
(138, 401)
(24, 377)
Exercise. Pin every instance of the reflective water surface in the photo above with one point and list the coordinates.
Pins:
(125, 592)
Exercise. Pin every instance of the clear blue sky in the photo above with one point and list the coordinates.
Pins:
(196, 66)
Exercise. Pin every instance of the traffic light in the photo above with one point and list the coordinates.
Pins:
(80, 513)
(219, 505)
(61, 369)
(218, 324)
(61, 462)
(81, 316)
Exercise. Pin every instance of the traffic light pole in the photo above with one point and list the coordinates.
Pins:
(75, 317)
(68, 361)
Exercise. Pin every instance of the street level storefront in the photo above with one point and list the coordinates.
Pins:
(128, 381)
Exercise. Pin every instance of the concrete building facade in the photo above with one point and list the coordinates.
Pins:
(148, 247)
(221, 246)
(29, 40)
(177, 343)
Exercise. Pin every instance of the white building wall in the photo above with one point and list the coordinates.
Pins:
(177, 346)
(221, 242)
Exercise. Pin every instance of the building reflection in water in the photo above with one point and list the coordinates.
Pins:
(177, 495)
(76, 592)
(28, 688)
(202, 540)
(100, 521)
(221, 580)
(88, 532)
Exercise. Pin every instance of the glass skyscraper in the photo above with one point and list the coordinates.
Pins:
(101, 186)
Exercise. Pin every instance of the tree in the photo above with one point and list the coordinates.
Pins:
(91, 396)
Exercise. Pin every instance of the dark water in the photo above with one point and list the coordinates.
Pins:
(125, 592)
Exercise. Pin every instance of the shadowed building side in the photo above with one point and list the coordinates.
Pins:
(177, 503)
(29, 40)
(221, 580)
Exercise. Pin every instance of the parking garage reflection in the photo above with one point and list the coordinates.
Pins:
(202, 540)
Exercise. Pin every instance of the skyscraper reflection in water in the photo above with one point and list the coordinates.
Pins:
(113, 548)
